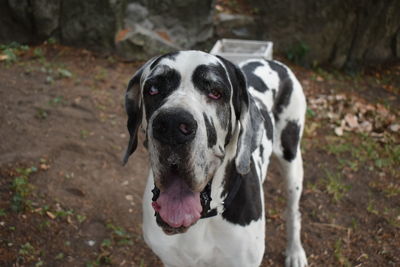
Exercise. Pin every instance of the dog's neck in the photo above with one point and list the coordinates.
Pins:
(220, 198)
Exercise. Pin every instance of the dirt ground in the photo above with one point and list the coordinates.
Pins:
(66, 199)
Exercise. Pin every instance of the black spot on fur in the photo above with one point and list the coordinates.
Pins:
(246, 206)
(256, 118)
(290, 140)
(213, 77)
(285, 89)
(273, 94)
(221, 149)
(170, 56)
(229, 133)
(252, 79)
(240, 97)
(166, 83)
(262, 152)
(211, 132)
(269, 127)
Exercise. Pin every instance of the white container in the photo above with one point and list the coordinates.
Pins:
(237, 50)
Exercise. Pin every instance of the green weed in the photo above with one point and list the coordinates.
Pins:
(63, 213)
(26, 249)
(107, 243)
(80, 218)
(52, 41)
(297, 53)
(38, 53)
(339, 254)
(84, 134)
(356, 150)
(2, 213)
(41, 114)
(39, 263)
(56, 100)
(22, 189)
(63, 73)
(28, 253)
(59, 256)
(335, 185)
(310, 113)
(338, 149)
(389, 189)
(120, 235)
(10, 51)
(10, 56)
(371, 207)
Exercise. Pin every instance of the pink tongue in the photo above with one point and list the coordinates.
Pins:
(178, 205)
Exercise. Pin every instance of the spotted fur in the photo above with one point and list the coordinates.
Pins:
(233, 118)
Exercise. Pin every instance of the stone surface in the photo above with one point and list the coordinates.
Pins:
(14, 22)
(45, 17)
(338, 32)
(138, 43)
(236, 26)
(186, 22)
(90, 23)
(341, 33)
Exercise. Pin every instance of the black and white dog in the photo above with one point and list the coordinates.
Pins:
(210, 130)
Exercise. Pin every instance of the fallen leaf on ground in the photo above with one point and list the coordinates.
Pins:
(51, 215)
(351, 120)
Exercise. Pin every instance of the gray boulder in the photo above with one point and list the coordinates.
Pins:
(338, 32)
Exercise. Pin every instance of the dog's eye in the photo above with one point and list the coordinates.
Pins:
(153, 91)
(214, 94)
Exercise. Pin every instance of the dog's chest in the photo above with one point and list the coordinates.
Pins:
(210, 242)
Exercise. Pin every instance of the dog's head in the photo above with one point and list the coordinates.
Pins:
(192, 106)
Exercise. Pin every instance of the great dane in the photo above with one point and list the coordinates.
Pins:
(210, 129)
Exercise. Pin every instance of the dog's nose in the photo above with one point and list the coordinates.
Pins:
(174, 127)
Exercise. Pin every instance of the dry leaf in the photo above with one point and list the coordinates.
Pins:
(3, 57)
(51, 215)
(365, 126)
(339, 131)
(310, 128)
(44, 167)
(351, 120)
(394, 127)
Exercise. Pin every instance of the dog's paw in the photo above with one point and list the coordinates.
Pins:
(296, 257)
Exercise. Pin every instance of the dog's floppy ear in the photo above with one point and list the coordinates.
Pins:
(134, 109)
(248, 115)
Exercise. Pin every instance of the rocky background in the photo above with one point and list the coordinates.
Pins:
(340, 33)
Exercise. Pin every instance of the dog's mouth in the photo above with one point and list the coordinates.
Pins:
(178, 207)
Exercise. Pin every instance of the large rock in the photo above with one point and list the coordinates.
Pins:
(138, 43)
(154, 27)
(186, 22)
(28, 21)
(45, 17)
(135, 29)
(236, 26)
(338, 32)
(90, 23)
